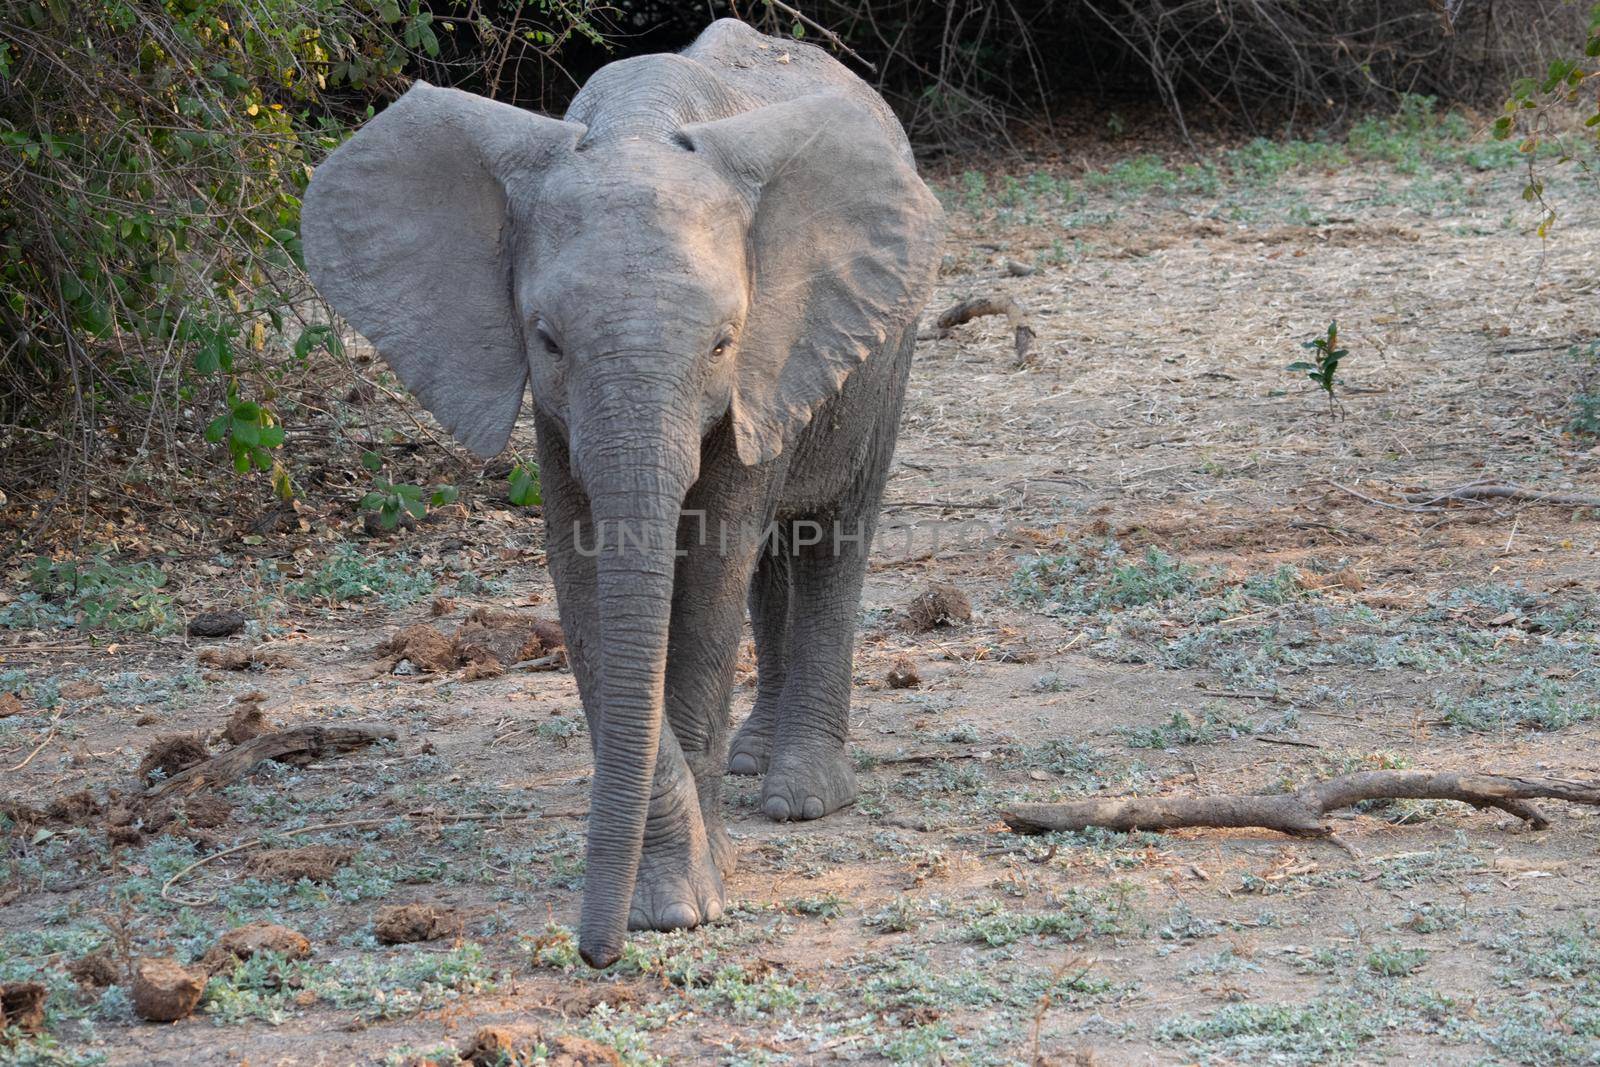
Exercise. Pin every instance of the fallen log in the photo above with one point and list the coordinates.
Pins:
(979, 306)
(1301, 813)
(297, 744)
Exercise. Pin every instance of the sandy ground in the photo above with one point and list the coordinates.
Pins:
(1187, 576)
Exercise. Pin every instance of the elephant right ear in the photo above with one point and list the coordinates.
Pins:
(405, 230)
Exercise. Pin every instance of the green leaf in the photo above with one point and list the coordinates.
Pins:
(371, 502)
(416, 507)
(372, 461)
(1299, 365)
(525, 489)
(217, 428)
(445, 494)
(246, 433)
(271, 436)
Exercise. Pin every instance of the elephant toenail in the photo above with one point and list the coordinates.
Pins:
(743, 763)
(713, 911)
(677, 917)
(812, 808)
(777, 809)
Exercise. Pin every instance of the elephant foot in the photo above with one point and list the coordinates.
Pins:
(751, 749)
(678, 888)
(680, 883)
(807, 782)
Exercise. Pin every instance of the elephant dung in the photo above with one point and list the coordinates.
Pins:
(315, 863)
(903, 675)
(404, 924)
(424, 646)
(173, 753)
(517, 1045)
(253, 939)
(247, 720)
(96, 970)
(938, 605)
(22, 1006)
(165, 991)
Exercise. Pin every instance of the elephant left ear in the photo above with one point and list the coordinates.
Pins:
(843, 252)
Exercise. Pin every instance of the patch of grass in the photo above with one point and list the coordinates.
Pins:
(1095, 577)
(1134, 177)
(93, 594)
(1395, 961)
(1332, 1027)
(827, 906)
(349, 574)
(1550, 707)
(1185, 728)
(1078, 914)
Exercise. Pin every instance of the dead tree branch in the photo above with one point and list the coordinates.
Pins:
(979, 306)
(1301, 813)
(298, 744)
(1492, 491)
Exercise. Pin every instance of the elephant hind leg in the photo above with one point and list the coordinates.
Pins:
(751, 749)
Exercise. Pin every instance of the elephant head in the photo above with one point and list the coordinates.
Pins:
(650, 286)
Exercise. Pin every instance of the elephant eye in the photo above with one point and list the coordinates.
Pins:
(549, 343)
(721, 348)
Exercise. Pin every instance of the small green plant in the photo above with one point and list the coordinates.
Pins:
(1392, 961)
(524, 490)
(95, 594)
(1326, 362)
(394, 500)
(348, 574)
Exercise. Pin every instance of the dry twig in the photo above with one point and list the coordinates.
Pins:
(1301, 813)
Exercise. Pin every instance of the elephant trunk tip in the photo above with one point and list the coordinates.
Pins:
(599, 951)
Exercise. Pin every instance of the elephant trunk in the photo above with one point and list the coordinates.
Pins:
(636, 480)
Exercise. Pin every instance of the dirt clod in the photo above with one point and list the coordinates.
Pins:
(10, 704)
(517, 1045)
(96, 970)
(245, 942)
(217, 624)
(164, 990)
(404, 924)
(938, 605)
(82, 690)
(903, 675)
(171, 754)
(22, 1006)
(316, 863)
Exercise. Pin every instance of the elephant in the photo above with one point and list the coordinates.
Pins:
(708, 273)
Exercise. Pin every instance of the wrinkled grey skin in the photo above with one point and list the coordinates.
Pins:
(709, 274)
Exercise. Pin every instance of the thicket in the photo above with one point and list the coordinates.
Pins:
(154, 317)
(153, 306)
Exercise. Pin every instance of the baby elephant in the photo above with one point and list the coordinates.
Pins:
(710, 273)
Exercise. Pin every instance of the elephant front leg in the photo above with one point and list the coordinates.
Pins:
(680, 882)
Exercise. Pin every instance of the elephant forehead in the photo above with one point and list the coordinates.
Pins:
(661, 186)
